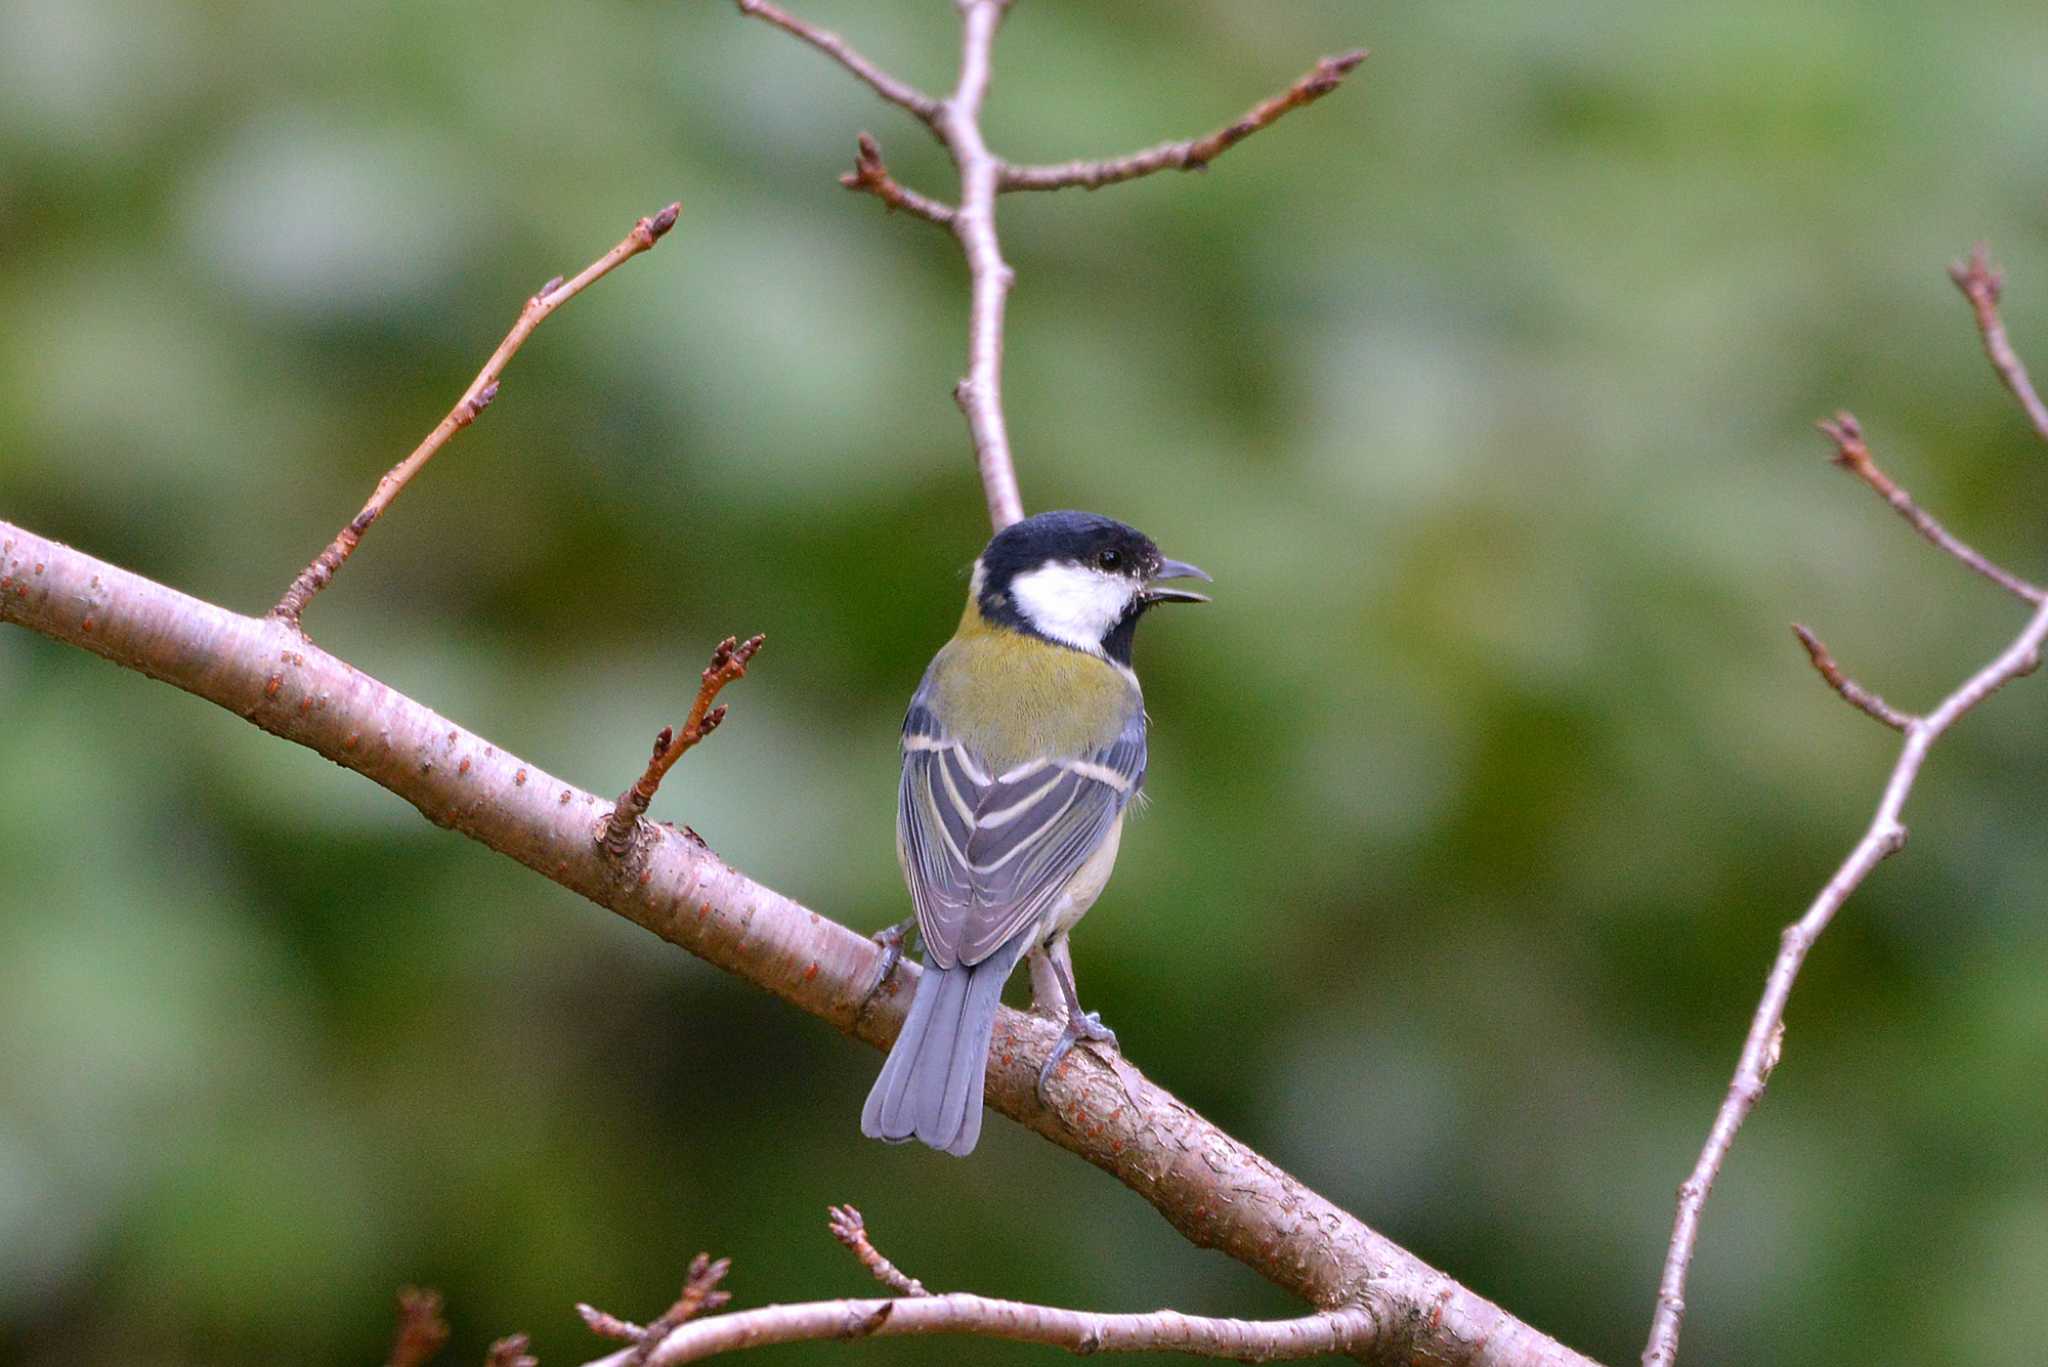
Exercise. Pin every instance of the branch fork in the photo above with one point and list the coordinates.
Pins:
(683, 1336)
(1886, 833)
(956, 122)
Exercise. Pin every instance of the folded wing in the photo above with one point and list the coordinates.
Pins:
(987, 853)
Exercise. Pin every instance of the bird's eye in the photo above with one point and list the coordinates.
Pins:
(1110, 559)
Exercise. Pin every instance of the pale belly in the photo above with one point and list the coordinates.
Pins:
(1083, 888)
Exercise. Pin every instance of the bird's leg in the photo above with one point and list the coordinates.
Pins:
(892, 939)
(1047, 999)
(1081, 1025)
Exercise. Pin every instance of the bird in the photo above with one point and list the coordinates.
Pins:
(1023, 749)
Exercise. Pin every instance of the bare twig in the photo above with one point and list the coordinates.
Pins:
(1218, 1192)
(421, 1330)
(510, 1351)
(474, 400)
(1854, 456)
(609, 1326)
(1981, 285)
(1192, 154)
(1853, 693)
(869, 174)
(1078, 1331)
(956, 121)
(980, 392)
(700, 1292)
(728, 662)
(1885, 835)
(850, 1229)
(896, 92)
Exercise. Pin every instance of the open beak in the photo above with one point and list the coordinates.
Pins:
(1175, 569)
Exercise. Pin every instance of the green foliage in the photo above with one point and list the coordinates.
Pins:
(1481, 792)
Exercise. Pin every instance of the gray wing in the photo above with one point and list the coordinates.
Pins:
(987, 853)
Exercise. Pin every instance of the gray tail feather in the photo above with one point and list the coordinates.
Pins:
(930, 1087)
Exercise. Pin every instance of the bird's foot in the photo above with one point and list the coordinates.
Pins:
(892, 939)
(1081, 1025)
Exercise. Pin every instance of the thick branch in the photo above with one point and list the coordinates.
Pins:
(1193, 154)
(1214, 1190)
(1981, 285)
(1078, 1331)
(1854, 456)
(896, 92)
(474, 400)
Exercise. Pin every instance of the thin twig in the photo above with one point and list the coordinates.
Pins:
(980, 392)
(421, 1330)
(1981, 285)
(1766, 1031)
(1885, 835)
(1854, 456)
(1853, 693)
(850, 1229)
(474, 400)
(869, 174)
(728, 662)
(700, 1293)
(896, 92)
(956, 121)
(1192, 154)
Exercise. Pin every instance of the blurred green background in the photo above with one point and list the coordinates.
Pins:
(1483, 388)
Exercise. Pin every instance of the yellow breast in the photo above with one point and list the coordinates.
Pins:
(1014, 697)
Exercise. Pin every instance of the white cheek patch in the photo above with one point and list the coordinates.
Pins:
(1075, 605)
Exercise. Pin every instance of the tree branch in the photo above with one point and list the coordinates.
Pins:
(870, 175)
(1212, 1188)
(1853, 693)
(1077, 1331)
(900, 93)
(956, 122)
(980, 392)
(728, 662)
(1981, 285)
(1885, 835)
(1192, 154)
(474, 400)
(850, 1229)
(1852, 455)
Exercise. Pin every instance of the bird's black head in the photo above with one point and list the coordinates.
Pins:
(1078, 579)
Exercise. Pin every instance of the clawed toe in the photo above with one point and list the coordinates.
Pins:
(892, 939)
(1080, 1026)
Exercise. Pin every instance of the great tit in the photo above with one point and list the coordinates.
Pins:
(1023, 748)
